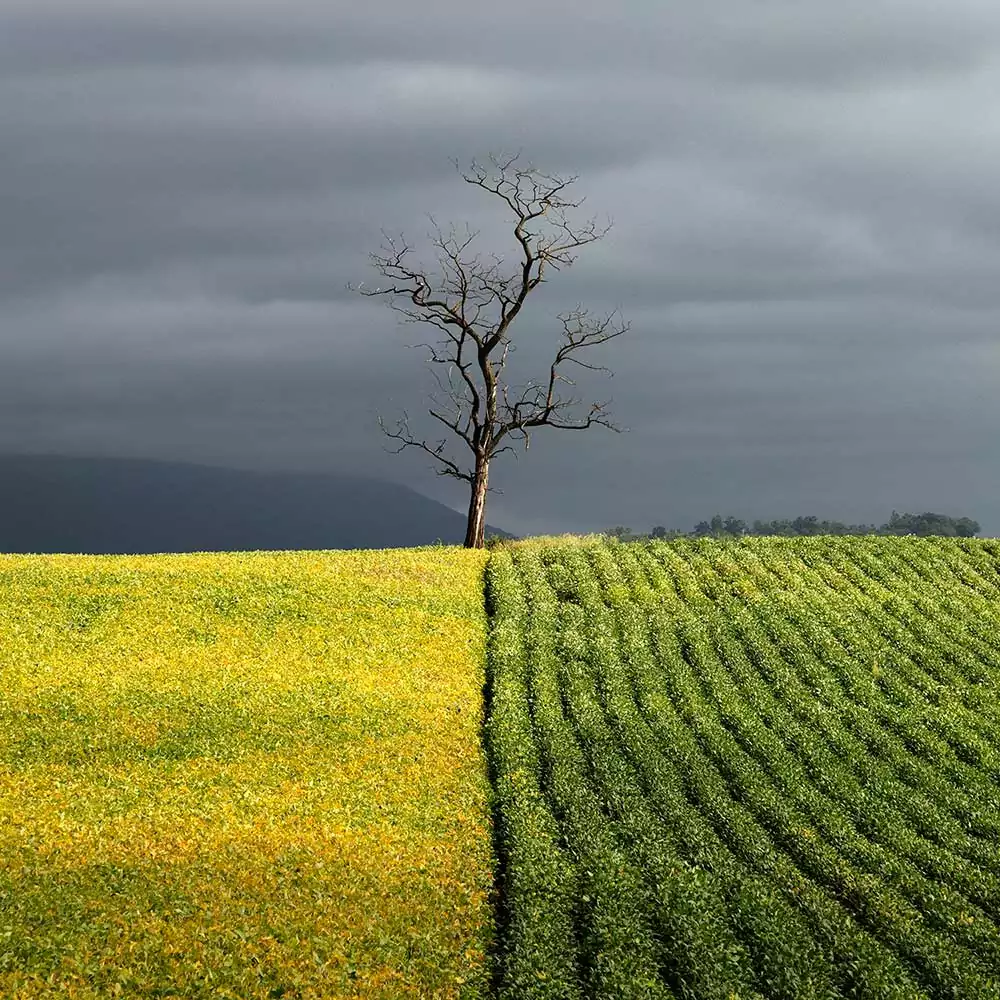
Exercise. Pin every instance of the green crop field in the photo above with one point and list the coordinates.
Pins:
(765, 768)
(721, 770)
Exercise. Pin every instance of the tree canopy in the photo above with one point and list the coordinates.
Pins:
(927, 523)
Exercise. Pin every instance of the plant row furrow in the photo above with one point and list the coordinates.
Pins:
(736, 769)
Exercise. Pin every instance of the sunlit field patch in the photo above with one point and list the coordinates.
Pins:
(243, 775)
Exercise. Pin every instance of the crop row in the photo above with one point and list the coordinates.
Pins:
(755, 768)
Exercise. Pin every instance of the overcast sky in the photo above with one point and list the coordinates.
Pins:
(806, 240)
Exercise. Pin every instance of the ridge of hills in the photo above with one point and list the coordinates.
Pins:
(60, 503)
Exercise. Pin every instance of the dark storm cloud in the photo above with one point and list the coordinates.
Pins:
(805, 239)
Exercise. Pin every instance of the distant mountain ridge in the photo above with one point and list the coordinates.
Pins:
(64, 504)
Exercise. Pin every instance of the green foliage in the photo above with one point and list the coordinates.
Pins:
(621, 533)
(898, 524)
(762, 767)
(924, 524)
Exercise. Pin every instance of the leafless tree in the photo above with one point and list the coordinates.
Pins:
(473, 304)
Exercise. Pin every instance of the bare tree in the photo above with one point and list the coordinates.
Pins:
(472, 304)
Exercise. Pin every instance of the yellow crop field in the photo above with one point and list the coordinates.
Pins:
(243, 775)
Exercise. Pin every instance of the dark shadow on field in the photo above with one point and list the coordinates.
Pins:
(498, 900)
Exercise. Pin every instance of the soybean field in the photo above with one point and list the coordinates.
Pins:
(716, 770)
(243, 775)
(759, 768)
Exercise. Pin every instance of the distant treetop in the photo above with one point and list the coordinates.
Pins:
(927, 523)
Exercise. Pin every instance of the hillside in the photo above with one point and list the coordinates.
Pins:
(52, 504)
(752, 769)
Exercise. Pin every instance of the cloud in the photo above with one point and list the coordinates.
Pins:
(804, 205)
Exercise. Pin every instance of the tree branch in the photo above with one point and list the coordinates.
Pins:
(540, 404)
(406, 440)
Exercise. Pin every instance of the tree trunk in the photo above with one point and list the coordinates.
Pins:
(475, 534)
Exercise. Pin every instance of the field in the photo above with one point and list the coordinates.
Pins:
(243, 776)
(765, 768)
(703, 770)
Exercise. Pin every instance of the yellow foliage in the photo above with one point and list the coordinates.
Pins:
(243, 775)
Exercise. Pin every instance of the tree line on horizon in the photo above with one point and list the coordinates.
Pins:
(927, 523)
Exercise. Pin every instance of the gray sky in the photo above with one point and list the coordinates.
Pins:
(806, 240)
